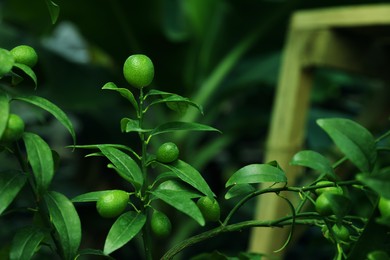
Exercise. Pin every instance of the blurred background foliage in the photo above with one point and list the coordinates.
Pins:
(224, 54)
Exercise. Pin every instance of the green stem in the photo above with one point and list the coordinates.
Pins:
(144, 195)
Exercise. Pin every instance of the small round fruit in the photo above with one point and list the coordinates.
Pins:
(25, 54)
(167, 152)
(14, 129)
(334, 189)
(138, 70)
(341, 232)
(384, 207)
(210, 208)
(112, 203)
(160, 224)
(323, 205)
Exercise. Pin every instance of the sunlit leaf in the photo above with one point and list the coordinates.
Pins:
(89, 197)
(355, 141)
(126, 93)
(11, 182)
(126, 167)
(127, 226)
(52, 109)
(181, 126)
(26, 243)
(190, 175)
(180, 197)
(65, 221)
(257, 173)
(40, 157)
(315, 161)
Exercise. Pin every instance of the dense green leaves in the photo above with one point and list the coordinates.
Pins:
(123, 230)
(4, 108)
(315, 161)
(51, 108)
(65, 221)
(190, 175)
(257, 173)
(379, 181)
(11, 182)
(40, 158)
(26, 242)
(126, 167)
(355, 141)
(180, 197)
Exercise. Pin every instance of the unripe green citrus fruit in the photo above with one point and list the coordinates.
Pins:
(25, 54)
(323, 205)
(341, 232)
(335, 189)
(210, 208)
(167, 152)
(112, 203)
(160, 224)
(138, 70)
(384, 207)
(14, 129)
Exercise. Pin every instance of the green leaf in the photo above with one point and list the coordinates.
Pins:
(190, 175)
(89, 197)
(40, 157)
(4, 108)
(257, 173)
(126, 167)
(26, 243)
(54, 10)
(65, 221)
(180, 197)
(379, 182)
(127, 226)
(174, 101)
(126, 93)
(28, 71)
(11, 182)
(96, 252)
(315, 161)
(7, 60)
(130, 125)
(51, 108)
(98, 146)
(181, 126)
(355, 141)
(239, 190)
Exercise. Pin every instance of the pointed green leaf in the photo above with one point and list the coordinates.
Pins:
(355, 141)
(94, 252)
(26, 242)
(40, 157)
(89, 197)
(190, 175)
(51, 108)
(315, 161)
(126, 167)
(54, 10)
(379, 182)
(130, 125)
(4, 108)
(181, 126)
(180, 197)
(239, 190)
(7, 60)
(127, 226)
(28, 71)
(257, 173)
(65, 221)
(98, 146)
(11, 182)
(126, 93)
